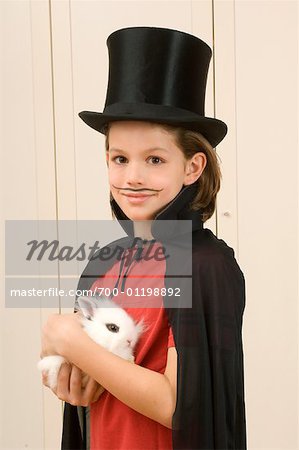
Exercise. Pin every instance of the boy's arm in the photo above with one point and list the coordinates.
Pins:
(171, 374)
(150, 393)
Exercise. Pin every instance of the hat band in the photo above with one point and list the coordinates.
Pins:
(150, 110)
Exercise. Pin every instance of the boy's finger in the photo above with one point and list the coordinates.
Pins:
(90, 390)
(75, 384)
(63, 390)
(100, 391)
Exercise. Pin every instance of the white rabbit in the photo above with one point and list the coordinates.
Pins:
(108, 325)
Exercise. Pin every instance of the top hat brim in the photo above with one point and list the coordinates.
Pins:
(214, 130)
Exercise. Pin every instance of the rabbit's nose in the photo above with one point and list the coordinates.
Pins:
(129, 342)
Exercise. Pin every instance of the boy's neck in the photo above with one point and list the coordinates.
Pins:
(142, 228)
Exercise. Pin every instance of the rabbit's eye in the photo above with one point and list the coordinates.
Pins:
(112, 327)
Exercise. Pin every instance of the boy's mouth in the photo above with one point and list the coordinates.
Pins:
(137, 198)
(135, 195)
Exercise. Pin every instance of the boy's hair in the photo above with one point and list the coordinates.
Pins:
(191, 142)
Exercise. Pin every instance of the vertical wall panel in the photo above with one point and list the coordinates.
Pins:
(30, 415)
(46, 181)
(18, 365)
(225, 100)
(63, 110)
(266, 46)
(202, 26)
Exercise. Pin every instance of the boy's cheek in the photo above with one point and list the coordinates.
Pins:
(114, 180)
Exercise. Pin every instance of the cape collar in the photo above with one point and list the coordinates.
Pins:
(176, 211)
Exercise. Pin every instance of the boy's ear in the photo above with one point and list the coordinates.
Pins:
(194, 168)
(88, 306)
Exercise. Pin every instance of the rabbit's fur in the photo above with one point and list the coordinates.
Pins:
(108, 325)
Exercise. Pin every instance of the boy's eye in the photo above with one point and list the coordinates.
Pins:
(116, 157)
(155, 158)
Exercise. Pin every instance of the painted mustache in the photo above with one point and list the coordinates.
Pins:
(138, 190)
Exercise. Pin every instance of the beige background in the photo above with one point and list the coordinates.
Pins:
(53, 65)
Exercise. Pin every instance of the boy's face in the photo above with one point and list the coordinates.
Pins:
(146, 169)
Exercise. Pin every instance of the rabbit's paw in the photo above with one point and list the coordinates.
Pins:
(51, 366)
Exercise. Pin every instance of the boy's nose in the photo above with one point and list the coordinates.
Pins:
(134, 174)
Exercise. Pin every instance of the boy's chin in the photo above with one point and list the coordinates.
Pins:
(141, 213)
(140, 217)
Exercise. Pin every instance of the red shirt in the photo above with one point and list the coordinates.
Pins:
(114, 425)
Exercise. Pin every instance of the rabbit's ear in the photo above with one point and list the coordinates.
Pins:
(88, 306)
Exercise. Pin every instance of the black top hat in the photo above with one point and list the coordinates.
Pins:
(157, 75)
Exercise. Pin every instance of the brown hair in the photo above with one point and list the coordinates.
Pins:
(191, 142)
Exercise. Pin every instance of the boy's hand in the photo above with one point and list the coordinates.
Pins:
(59, 331)
(74, 387)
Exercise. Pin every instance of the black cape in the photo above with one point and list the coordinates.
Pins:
(210, 408)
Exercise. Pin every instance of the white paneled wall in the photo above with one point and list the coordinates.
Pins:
(30, 414)
(54, 64)
(266, 46)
